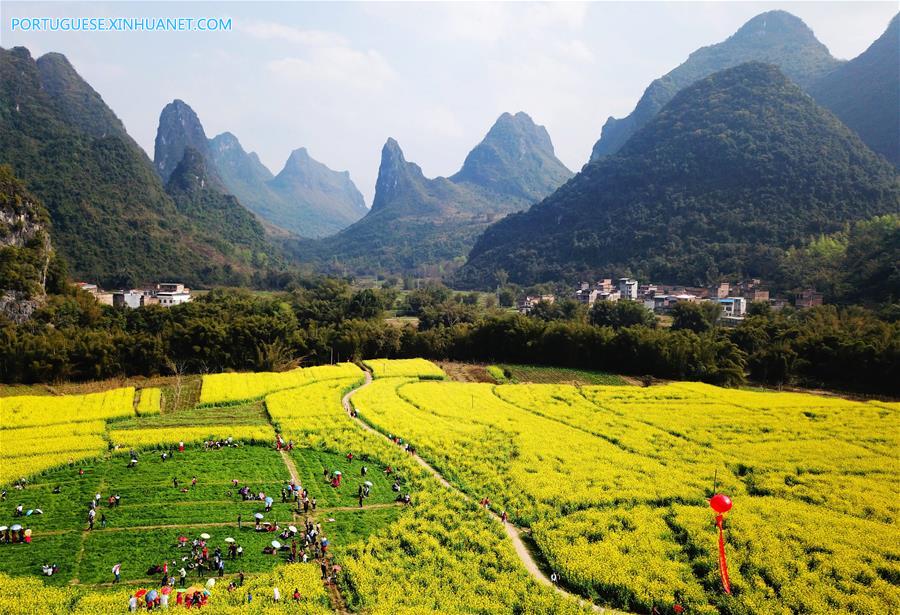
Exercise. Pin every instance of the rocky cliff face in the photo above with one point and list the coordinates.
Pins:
(25, 249)
(179, 128)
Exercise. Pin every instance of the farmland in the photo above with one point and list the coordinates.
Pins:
(609, 482)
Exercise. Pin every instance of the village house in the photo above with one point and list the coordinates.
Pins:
(165, 294)
(808, 298)
(628, 288)
(527, 303)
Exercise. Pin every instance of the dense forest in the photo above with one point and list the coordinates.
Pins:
(323, 319)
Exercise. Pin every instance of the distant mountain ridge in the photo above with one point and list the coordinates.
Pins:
(424, 225)
(734, 168)
(865, 93)
(774, 37)
(306, 197)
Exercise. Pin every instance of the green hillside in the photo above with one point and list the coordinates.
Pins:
(735, 168)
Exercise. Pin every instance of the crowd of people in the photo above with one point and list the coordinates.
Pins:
(303, 544)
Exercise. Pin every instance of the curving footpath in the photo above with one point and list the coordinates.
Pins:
(514, 532)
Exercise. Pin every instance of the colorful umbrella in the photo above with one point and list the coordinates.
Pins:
(269, 500)
(151, 595)
(140, 593)
(204, 536)
(229, 540)
(29, 512)
(258, 516)
(165, 591)
(182, 539)
(28, 532)
(276, 544)
(337, 473)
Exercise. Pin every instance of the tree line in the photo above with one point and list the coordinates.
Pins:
(319, 320)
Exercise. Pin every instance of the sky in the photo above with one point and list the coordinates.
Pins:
(339, 78)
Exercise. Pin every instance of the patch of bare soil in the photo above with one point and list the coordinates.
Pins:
(465, 372)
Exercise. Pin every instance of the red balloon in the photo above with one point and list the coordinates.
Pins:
(720, 503)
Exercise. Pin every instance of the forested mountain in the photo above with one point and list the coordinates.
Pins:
(732, 170)
(112, 220)
(774, 37)
(860, 264)
(865, 93)
(226, 224)
(306, 198)
(515, 159)
(424, 225)
(318, 201)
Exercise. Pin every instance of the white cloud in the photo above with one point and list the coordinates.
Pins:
(363, 70)
(271, 31)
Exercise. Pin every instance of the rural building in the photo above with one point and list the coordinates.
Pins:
(719, 291)
(735, 307)
(529, 301)
(128, 298)
(808, 298)
(628, 288)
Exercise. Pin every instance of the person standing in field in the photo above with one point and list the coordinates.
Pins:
(182, 574)
(276, 595)
(115, 571)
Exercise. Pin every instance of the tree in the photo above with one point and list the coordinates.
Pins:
(696, 317)
(618, 314)
(506, 296)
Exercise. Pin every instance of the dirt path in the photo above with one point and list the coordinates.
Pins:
(292, 469)
(338, 604)
(514, 533)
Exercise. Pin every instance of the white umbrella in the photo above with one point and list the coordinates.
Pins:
(210, 583)
(204, 536)
(276, 544)
(337, 473)
(258, 515)
(292, 528)
(368, 483)
(16, 527)
(229, 540)
(3, 528)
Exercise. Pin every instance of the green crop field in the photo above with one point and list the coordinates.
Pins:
(609, 482)
(512, 374)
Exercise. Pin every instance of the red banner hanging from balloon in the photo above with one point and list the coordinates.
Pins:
(723, 563)
(722, 504)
